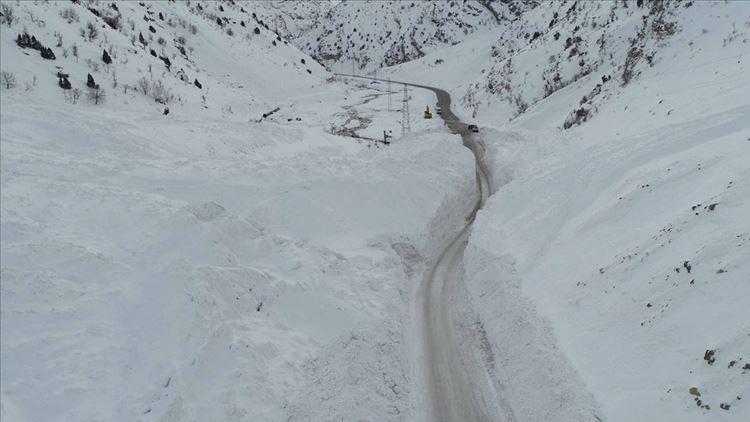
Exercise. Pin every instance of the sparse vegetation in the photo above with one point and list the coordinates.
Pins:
(160, 93)
(8, 16)
(91, 32)
(8, 80)
(143, 85)
(96, 95)
(69, 14)
(75, 94)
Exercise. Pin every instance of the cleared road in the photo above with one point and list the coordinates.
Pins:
(459, 390)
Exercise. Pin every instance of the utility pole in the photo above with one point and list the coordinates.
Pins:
(405, 117)
(389, 93)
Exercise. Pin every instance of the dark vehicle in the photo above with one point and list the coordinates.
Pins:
(473, 128)
(439, 110)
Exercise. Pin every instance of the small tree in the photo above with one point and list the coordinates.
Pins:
(91, 31)
(74, 50)
(96, 95)
(8, 80)
(161, 93)
(143, 85)
(75, 94)
(7, 14)
(106, 58)
(69, 14)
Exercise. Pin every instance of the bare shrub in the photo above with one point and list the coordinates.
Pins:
(96, 95)
(8, 80)
(30, 85)
(91, 31)
(160, 93)
(69, 14)
(143, 85)
(8, 16)
(75, 94)
(59, 38)
(94, 66)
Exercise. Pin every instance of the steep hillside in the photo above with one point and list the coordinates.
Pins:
(499, 75)
(292, 18)
(363, 36)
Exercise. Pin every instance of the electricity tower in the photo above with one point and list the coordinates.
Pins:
(405, 117)
(388, 89)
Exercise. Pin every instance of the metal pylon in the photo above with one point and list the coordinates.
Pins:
(405, 117)
(388, 90)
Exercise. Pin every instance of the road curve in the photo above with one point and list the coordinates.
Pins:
(457, 390)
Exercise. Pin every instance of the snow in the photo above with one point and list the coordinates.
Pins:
(215, 264)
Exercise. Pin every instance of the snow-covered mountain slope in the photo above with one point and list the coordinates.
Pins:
(497, 75)
(292, 18)
(169, 46)
(613, 257)
(366, 35)
(225, 261)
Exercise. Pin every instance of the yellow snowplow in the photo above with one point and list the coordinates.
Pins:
(427, 114)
